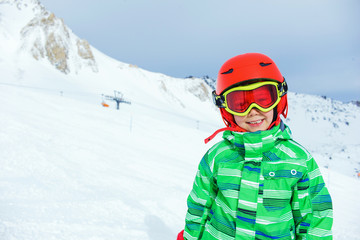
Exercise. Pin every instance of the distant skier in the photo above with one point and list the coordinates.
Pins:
(257, 183)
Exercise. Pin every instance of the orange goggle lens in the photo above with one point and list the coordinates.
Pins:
(240, 100)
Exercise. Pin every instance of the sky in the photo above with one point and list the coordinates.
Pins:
(314, 43)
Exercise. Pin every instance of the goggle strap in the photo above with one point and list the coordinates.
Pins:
(219, 100)
(283, 87)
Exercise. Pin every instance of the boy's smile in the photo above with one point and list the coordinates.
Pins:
(256, 120)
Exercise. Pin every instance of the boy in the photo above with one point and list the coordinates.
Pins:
(257, 183)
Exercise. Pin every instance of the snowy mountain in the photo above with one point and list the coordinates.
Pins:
(72, 169)
(30, 32)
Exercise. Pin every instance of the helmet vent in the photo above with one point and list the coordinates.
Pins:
(228, 71)
(264, 64)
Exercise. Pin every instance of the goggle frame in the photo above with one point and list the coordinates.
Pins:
(221, 102)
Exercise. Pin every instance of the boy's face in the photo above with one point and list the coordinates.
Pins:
(256, 120)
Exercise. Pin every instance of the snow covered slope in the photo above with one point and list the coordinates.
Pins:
(329, 129)
(72, 169)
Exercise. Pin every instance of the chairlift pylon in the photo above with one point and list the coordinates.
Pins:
(118, 98)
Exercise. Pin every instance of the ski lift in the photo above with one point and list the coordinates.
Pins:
(118, 98)
(103, 103)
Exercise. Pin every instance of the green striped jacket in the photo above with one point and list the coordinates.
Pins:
(260, 185)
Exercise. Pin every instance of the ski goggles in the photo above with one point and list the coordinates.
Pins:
(261, 95)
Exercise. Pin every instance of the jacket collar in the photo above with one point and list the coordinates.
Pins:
(255, 143)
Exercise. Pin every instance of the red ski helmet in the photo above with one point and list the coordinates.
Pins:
(248, 68)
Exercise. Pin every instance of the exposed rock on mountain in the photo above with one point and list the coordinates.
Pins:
(47, 37)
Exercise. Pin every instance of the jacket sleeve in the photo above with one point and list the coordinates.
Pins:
(200, 200)
(312, 205)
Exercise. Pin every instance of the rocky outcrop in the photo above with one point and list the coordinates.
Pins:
(47, 37)
(200, 90)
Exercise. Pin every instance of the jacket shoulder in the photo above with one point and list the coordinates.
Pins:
(290, 148)
(221, 152)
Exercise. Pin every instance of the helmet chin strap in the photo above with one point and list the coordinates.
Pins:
(275, 115)
(218, 131)
(230, 123)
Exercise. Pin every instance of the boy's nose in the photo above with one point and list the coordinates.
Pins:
(254, 111)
